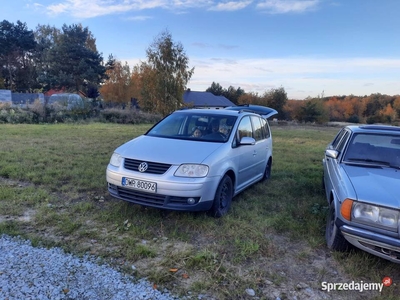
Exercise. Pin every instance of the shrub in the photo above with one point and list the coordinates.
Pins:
(16, 116)
(37, 113)
(353, 119)
(127, 116)
(373, 119)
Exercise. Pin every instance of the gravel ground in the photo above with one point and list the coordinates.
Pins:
(28, 272)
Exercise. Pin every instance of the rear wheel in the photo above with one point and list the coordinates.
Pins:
(334, 238)
(267, 171)
(223, 198)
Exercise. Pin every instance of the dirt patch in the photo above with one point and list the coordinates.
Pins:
(299, 272)
(25, 218)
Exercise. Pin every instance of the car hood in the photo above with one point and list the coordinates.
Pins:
(169, 151)
(375, 185)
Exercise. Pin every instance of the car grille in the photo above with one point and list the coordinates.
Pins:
(147, 198)
(153, 167)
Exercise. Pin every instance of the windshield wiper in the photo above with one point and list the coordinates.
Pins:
(394, 167)
(369, 162)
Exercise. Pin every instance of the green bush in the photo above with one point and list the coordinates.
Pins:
(38, 113)
(16, 116)
(373, 119)
(127, 116)
(353, 119)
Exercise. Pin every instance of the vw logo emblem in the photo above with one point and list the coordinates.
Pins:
(143, 167)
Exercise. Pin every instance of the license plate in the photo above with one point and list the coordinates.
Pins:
(142, 185)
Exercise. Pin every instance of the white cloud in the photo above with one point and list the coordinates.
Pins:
(89, 9)
(230, 6)
(36, 5)
(138, 18)
(287, 6)
(95, 8)
(191, 3)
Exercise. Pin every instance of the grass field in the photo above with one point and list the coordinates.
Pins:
(53, 191)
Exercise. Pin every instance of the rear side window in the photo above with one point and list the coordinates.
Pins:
(258, 128)
(342, 141)
(266, 128)
(338, 139)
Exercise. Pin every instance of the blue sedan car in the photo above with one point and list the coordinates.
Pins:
(362, 184)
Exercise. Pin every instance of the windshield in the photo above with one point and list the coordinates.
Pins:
(374, 149)
(195, 126)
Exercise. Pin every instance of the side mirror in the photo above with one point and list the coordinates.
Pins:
(247, 141)
(332, 153)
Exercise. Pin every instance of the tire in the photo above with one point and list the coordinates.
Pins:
(267, 172)
(334, 238)
(223, 198)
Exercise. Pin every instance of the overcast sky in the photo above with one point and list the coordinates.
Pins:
(308, 47)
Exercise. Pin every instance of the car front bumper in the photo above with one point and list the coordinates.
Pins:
(378, 244)
(173, 193)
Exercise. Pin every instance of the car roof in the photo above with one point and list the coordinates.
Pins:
(374, 129)
(235, 110)
(206, 111)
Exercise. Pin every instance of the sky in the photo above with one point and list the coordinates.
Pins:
(311, 48)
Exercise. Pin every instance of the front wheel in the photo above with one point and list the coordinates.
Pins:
(334, 238)
(223, 198)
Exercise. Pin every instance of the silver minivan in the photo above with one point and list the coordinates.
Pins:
(194, 159)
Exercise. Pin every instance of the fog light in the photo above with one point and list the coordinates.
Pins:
(191, 201)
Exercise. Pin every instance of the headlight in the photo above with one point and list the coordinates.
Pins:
(116, 160)
(375, 215)
(192, 170)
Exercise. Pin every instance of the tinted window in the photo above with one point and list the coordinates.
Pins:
(258, 129)
(245, 129)
(266, 128)
(342, 141)
(338, 138)
(194, 126)
(375, 147)
(378, 140)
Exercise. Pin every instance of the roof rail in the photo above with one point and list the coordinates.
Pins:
(257, 109)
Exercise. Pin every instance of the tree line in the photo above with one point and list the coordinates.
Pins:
(375, 108)
(158, 84)
(49, 58)
(67, 59)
